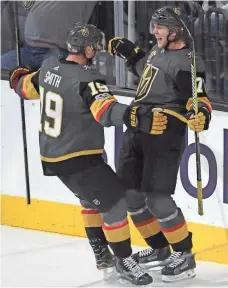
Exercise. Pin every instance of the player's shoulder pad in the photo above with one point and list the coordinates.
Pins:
(84, 84)
(200, 65)
(90, 73)
(182, 60)
(50, 61)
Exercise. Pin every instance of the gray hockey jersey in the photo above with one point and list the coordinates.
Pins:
(68, 128)
(74, 103)
(166, 79)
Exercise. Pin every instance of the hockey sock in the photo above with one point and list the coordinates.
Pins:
(176, 232)
(93, 225)
(118, 237)
(149, 228)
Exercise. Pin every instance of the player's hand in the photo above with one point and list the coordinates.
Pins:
(199, 122)
(145, 119)
(125, 49)
(16, 74)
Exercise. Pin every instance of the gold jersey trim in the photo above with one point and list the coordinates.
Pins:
(71, 155)
(28, 90)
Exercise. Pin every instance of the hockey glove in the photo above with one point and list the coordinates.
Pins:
(144, 119)
(16, 74)
(125, 49)
(201, 121)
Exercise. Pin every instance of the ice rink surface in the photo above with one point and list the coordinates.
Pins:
(39, 259)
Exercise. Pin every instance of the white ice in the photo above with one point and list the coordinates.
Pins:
(39, 259)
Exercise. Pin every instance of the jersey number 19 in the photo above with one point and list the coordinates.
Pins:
(52, 105)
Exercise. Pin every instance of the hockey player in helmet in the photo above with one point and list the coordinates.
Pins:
(85, 40)
(166, 29)
(149, 165)
(75, 105)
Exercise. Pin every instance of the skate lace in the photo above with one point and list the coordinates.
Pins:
(132, 266)
(146, 252)
(173, 256)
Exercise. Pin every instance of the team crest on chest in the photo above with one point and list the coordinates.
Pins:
(146, 81)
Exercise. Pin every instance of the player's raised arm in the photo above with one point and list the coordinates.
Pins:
(130, 52)
(25, 81)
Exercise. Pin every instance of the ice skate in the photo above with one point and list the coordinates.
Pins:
(103, 256)
(152, 256)
(130, 271)
(179, 269)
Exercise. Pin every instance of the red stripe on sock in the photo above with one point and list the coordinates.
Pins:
(171, 229)
(90, 211)
(116, 226)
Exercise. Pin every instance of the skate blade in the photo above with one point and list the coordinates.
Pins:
(105, 266)
(105, 279)
(146, 265)
(127, 283)
(183, 276)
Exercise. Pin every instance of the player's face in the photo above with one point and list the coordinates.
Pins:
(161, 33)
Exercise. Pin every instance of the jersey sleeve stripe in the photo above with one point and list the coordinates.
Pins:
(27, 90)
(100, 106)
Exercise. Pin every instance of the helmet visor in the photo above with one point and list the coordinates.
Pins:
(163, 18)
(160, 20)
(151, 27)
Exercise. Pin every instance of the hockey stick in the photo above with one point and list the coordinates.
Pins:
(17, 36)
(162, 264)
(195, 108)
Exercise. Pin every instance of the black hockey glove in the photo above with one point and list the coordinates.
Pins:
(16, 74)
(145, 119)
(125, 49)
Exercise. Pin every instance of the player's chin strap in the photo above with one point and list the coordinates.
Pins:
(175, 39)
(172, 113)
(90, 60)
(168, 41)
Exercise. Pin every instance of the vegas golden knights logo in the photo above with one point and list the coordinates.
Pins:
(84, 31)
(146, 82)
(28, 4)
(177, 10)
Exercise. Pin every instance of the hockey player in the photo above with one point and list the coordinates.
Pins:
(75, 105)
(148, 165)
